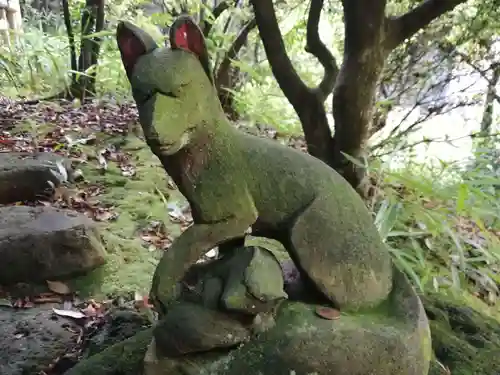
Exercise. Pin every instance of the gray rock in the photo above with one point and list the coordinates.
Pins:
(390, 339)
(45, 243)
(30, 340)
(120, 324)
(219, 308)
(26, 176)
(191, 328)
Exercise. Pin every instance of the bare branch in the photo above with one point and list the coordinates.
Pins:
(317, 48)
(223, 71)
(435, 140)
(287, 77)
(403, 27)
(481, 72)
(217, 11)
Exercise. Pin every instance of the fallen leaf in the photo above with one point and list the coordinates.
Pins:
(104, 215)
(103, 164)
(69, 313)
(171, 184)
(137, 296)
(90, 310)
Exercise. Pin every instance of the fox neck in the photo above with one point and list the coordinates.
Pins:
(206, 143)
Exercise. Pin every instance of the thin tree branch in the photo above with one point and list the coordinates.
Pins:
(99, 26)
(403, 27)
(430, 140)
(481, 72)
(217, 11)
(71, 39)
(287, 77)
(223, 71)
(317, 48)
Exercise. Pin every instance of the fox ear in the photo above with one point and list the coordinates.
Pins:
(133, 42)
(186, 34)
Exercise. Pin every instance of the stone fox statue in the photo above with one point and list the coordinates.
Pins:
(234, 181)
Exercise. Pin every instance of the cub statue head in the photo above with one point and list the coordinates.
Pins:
(172, 87)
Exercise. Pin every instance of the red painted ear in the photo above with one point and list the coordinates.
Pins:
(185, 34)
(132, 43)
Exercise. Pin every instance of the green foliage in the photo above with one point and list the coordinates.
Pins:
(441, 226)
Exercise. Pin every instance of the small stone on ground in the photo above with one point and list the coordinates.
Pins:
(28, 176)
(45, 243)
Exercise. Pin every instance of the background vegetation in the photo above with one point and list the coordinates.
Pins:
(428, 154)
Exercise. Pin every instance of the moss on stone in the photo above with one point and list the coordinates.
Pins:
(464, 339)
(123, 358)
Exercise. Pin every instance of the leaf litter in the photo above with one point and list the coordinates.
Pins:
(74, 126)
(88, 316)
(71, 131)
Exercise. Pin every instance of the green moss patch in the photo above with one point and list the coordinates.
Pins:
(464, 339)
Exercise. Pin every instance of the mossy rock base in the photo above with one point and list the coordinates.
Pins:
(123, 358)
(393, 339)
(464, 340)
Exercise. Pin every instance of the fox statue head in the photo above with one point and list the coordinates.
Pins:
(172, 86)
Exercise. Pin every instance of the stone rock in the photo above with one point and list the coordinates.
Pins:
(191, 328)
(248, 281)
(391, 339)
(464, 340)
(218, 308)
(25, 176)
(123, 358)
(30, 340)
(45, 243)
(120, 324)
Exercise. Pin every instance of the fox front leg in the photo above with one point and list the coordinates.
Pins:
(228, 247)
(186, 250)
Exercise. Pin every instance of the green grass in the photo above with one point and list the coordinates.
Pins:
(137, 202)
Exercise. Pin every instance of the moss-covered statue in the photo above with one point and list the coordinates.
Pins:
(235, 181)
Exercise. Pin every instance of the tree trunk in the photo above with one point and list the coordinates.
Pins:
(82, 84)
(226, 77)
(491, 97)
(92, 22)
(370, 36)
(307, 102)
(355, 88)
